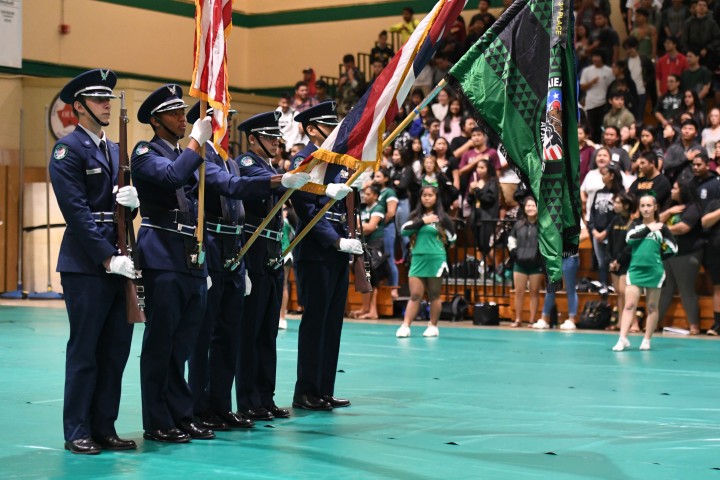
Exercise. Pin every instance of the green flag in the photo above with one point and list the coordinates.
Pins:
(520, 79)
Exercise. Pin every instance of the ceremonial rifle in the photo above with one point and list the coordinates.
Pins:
(361, 263)
(134, 290)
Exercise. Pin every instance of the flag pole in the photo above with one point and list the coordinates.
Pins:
(235, 262)
(200, 229)
(403, 125)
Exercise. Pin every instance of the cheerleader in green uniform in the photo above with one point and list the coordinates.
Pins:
(431, 231)
(651, 243)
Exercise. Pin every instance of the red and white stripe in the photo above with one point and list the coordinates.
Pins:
(213, 23)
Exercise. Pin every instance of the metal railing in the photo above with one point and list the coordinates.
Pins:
(477, 276)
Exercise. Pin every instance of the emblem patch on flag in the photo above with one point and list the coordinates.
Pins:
(142, 149)
(60, 151)
(247, 161)
(298, 161)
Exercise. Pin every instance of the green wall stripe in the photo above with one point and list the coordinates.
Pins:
(41, 69)
(295, 17)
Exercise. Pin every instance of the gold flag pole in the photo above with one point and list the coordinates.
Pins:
(233, 264)
(200, 229)
(361, 170)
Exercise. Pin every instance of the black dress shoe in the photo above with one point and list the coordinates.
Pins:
(168, 435)
(212, 421)
(258, 414)
(83, 446)
(196, 431)
(336, 402)
(234, 420)
(307, 402)
(278, 412)
(113, 442)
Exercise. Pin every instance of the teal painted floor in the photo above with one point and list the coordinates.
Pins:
(475, 403)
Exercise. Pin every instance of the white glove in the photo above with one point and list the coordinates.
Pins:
(209, 282)
(122, 265)
(127, 196)
(350, 245)
(248, 284)
(295, 180)
(337, 191)
(202, 130)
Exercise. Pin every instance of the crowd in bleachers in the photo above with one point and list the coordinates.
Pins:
(648, 123)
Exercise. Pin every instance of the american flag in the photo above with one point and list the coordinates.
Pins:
(357, 141)
(213, 22)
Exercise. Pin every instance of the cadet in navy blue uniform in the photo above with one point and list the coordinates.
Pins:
(213, 363)
(84, 172)
(257, 361)
(323, 263)
(175, 281)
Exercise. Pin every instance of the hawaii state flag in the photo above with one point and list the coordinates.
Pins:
(213, 22)
(357, 141)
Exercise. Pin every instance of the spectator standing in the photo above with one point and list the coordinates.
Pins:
(604, 39)
(618, 249)
(303, 100)
(601, 216)
(693, 107)
(669, 104)
(623, 83)
(470, 159)
(650, 180)
(432, 232)
(696, 78)
(642, 73)
(706, 181)
(462, 143)
(676, 164)
(702, 34)
(594, 81)
(711, 134)
(651, 242)
(593, 180)
(382, 50)
(587, 149)
(440, 108)
(711, 224)
(647, 144)
(404, 182)
(451, 124)
(645, 33)
(321, 91)
(618, 116)
(673, 62)
(484, 199)
(673, 19)
(570, 267)
(449, 166)
(372, 217)
(611, 139)
(407, 26)
(683, 219)
(428, 139)
(389, 200)
(290, 130)
(527, 268)
(351, 86)
(432, 175)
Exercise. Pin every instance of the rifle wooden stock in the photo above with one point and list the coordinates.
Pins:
(134, 291)
(360, 266)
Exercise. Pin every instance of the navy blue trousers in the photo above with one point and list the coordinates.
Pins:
(257, 361)
(96, 355)
(175, 310)
(211, 369)
(325, 289)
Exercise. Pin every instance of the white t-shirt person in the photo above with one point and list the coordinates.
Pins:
(596, 95)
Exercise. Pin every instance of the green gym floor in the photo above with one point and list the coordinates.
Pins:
(475, 403)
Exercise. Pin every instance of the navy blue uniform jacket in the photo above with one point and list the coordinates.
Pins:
(83, 182)
(319, 244)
